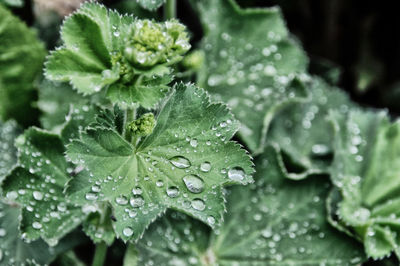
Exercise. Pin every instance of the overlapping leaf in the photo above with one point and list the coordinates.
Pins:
(8, 153)
(366, 172)
(276, 222)
(60, 104)
(250, 63)
(182, 165)
(38, 183)
(14, 251)
(98, 52)
(303, 132)
(21, 58)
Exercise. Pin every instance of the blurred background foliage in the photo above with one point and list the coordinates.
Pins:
(353, 45)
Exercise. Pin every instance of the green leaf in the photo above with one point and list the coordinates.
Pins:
(21, 58)
(276, 222)
(8, 153)
(38, 183)
(14, 251)
(61, 105)
(151, 5)
(366, 172)
(303, 133)
(182, 165)
(251, 70)
(129, 58)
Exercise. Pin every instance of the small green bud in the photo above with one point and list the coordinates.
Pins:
(143, 126)
(151, 43)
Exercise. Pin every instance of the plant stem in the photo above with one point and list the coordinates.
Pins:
(130, 115)
(170, 9)
(100, 254)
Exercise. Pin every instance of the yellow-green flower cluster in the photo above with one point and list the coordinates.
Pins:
(151, 43)
(143, 126)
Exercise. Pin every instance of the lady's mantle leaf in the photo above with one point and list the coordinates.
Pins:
(21, 59)
(251, 70)
(127, 56)
(303, 132)
(8, 153)
(366, 170)
(38, 183)
(15, 251)
(182, 165)
(151, 4)
(276, 222)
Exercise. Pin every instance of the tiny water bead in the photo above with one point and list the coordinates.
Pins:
(121, 200)
(127, 231)
(91, 196)
(180, 162)
(136, 201)
(172, 192)
(205, 167)
(194, 183)
(37, 195)
(198, 204)
(236, 174)
(37, 225)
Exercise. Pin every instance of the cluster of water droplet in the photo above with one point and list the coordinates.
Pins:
(8, 153)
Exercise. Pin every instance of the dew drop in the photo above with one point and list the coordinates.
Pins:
(205, 167)
(211, 220)
(137, 201)
(37, 195)
(172, 192)
(121, 200)
(37, 225)
(194, 183)
(180, 162)
(236, 174)
(137, 191)
(198, 204)
(95, 188)
(193, 143)
(127, 231)
(91, 196)
(12, 195)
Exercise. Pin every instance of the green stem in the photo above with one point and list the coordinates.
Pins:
(130, 115)
(170, 9)
(100, 254)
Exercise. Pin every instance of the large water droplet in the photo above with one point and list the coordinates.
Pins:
(193, 143)
(95, 188)
(137, 191)
(127, 231)
(236, 174)
(180, 162)
(36, 225)
(194, 183)
(205, 167)
(137, 201)
(173, 192)
(198, 204)
(37, 195)
(91, 196)
(211, 220)
(121, 200)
